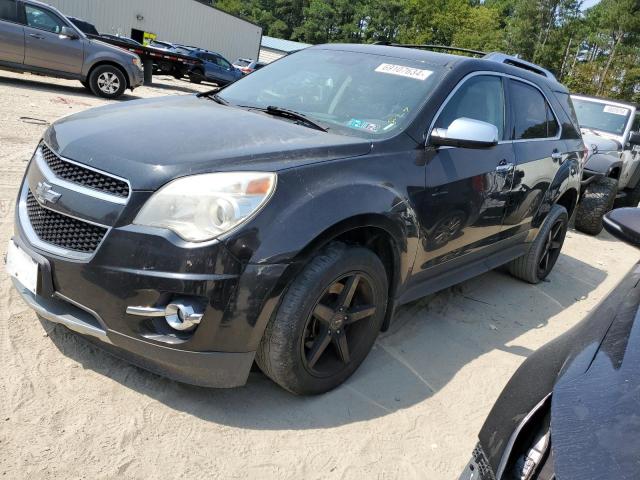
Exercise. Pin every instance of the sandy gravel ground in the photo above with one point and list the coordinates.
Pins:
(68, 410)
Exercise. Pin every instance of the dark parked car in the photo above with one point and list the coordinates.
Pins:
(247, 66)
(215, 68)
(84, 26)
(283, 219)
(35, 37)
(571, 410)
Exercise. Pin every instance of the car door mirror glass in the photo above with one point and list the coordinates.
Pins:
(466, 133)
(624, 224)
(69, 33)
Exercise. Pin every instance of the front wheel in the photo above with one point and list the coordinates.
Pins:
(107, 81)
(327, 322)
(597, 200)
(196, 76)
(537, 263)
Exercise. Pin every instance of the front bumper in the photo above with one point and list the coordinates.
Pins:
(145, 267)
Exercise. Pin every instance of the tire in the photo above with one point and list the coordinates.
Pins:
(309, 320)
(597, 200)
(86, 85)
(532, 267)
(196, 76)
(107, 81)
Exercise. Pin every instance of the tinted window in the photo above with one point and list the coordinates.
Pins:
(570, 128)
(222, 62)
(8, 10)
(43, 19)
(533, 116)
(479, 98)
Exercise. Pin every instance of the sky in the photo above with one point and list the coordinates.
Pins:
(589, 3)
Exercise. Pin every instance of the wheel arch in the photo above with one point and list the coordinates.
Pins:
(569, 200)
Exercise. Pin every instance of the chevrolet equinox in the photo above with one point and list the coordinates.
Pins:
(282, 219)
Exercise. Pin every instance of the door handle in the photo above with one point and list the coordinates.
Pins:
(505, 167)
(35, 35)
(556, 156)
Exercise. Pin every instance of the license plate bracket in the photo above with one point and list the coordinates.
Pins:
(21, 266)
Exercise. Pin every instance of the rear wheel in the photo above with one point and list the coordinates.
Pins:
(107, 81)
(327, 322)
(544, 251)
(597, 200)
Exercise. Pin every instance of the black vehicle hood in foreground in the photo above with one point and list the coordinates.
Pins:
(595, 417)
(151, 142)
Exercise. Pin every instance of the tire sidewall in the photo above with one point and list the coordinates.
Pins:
(93, 81)
(556, 212)
(291, 318)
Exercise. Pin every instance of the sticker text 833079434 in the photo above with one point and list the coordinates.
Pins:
(404, 71)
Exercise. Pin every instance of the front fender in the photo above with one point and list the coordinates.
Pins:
(100, 56)
(602, 163)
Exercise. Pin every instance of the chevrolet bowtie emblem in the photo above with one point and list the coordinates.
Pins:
(45, 194)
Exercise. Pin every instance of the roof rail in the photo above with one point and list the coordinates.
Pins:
(434, 47)
(517, 62)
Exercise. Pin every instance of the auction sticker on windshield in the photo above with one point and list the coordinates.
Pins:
(403, 71)
(615, 110)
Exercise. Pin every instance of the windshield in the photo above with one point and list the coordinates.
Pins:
(601, 116)
(355, 93)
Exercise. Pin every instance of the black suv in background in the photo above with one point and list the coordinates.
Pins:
(284, 218)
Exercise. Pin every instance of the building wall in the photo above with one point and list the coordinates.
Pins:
(180, 21)
(268, 55)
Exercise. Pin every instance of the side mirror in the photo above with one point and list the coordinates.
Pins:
(465, 133)
(70, 33)
(624, 224)
(634, 138)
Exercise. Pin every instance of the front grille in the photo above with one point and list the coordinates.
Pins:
(84, 176)
(63, 231)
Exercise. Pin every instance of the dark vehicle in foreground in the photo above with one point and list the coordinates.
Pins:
(247, 66)
(611, 132)
(570, 411)
(37, 38)
(214, 68)
(283, 219)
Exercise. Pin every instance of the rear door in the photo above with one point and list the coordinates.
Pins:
(11, 33)
(539, 153)
(45, 47)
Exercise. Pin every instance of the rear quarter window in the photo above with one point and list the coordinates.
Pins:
(9, 10)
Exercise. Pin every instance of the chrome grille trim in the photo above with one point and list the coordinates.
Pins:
(79, 187)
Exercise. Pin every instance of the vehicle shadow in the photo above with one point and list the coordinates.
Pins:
(430, 341)
(37, 83)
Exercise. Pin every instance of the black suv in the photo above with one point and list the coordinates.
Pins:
(284, 218)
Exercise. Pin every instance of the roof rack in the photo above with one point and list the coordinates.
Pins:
(434, 47)
(493, 56)
(518, 62)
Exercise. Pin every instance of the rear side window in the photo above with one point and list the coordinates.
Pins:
(8, 10)
(533, 117)
(479, 98)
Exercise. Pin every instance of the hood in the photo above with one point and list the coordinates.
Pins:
(150, 142)
(602, 141)
(108, 46)
(595, 422)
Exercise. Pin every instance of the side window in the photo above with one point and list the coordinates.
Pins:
(43, 19)
(9, 10)
(533, 116)
(223, 63)
(479, 98)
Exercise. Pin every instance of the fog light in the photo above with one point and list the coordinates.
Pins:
(182, 316)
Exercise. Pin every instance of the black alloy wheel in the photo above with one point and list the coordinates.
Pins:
(327, 320)
(552, 246)
(337, 321)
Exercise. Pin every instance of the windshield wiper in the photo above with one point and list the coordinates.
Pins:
(213, 95)
(293, 115)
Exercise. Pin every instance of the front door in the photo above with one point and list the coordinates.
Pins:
(467, 189)
(45, 47)
(11, 33)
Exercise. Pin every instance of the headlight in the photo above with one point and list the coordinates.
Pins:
(137, 62)
(203, 207)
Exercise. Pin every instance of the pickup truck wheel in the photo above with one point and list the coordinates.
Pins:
(597, 200)
(107, 81)
(537, 263)
(327, 321)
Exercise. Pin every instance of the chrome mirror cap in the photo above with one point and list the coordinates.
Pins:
(466, 133)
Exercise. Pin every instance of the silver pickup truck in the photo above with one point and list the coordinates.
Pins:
(37, 38)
